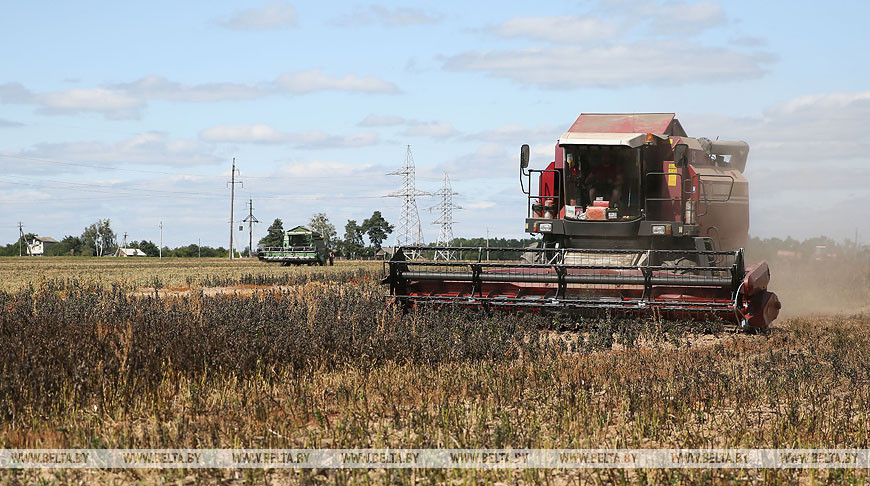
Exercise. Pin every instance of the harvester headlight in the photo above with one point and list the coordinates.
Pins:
(659, 229)
(545, 227)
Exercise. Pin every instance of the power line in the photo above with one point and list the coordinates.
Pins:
(103, 167)
(161, 172)
(169, 194)
(90, 184)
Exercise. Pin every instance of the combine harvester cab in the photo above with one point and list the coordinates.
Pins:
(635, 218)
(302, 246)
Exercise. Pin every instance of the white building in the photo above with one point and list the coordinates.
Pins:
(38, 245)
(130, 252)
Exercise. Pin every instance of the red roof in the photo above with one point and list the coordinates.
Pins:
(657, 123)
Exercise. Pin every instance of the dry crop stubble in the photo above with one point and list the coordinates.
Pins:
(321, 362)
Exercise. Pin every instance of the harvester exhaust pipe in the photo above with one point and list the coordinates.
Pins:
(738, 151)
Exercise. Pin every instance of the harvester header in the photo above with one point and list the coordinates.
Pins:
(633, 215)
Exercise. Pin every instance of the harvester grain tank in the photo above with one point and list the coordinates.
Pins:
(635, 217)
(301, 246)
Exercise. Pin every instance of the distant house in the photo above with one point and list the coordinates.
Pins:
(38, 245)
(385, 253)
(130, 252)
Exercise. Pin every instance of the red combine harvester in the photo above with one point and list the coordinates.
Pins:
(635, 218)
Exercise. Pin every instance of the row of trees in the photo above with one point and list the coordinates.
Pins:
(353, 245)
(99, 239)
(817, 247)
(376, 230)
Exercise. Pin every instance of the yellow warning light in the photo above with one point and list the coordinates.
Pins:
(649, 138)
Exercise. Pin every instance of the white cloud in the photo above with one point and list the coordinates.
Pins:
(623, 20)
(381, 121)
(396, 17)
(15, 93)
(748, 41)
(9, 124)
(617, 43)
(265, 134)
(561, 29)
(128, 100)
(519, 134)
(149, 148)
(488, 161)
(829, 103)
(154, 87)
(478, 205)
(434, 129)
(806, 129)
(258, 133)
(413, 128)
(317, 139)
(683, 18)
(636, 63)
(112, 104)
(270, 16)
(807, 166)
(315, 80)
(307, 168)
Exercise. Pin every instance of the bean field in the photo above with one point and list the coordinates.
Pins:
(101, 353)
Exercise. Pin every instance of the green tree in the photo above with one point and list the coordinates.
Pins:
(352, 245)
(274, 236)
(69, 245)
(320, 223)
(377, 228)
(12, 248)
(149, 248)
(98, 238)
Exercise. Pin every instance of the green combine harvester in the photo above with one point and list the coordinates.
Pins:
(302, 246)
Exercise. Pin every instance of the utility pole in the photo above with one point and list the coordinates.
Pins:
(487, 242)
(161, 241)
(232, 184)
(199, 247)
(122, 246)
(20, 237)
(250, 220)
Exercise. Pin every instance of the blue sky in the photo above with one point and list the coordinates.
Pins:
(134, 111)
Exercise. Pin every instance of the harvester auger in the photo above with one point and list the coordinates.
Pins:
(635, 218)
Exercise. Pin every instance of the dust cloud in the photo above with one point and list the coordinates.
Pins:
(821, 286)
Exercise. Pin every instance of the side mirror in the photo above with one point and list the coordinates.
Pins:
(524, 156)
(681, 155)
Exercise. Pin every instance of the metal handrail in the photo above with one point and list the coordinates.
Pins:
(703, 195)
(286, 248)
(530, 196)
